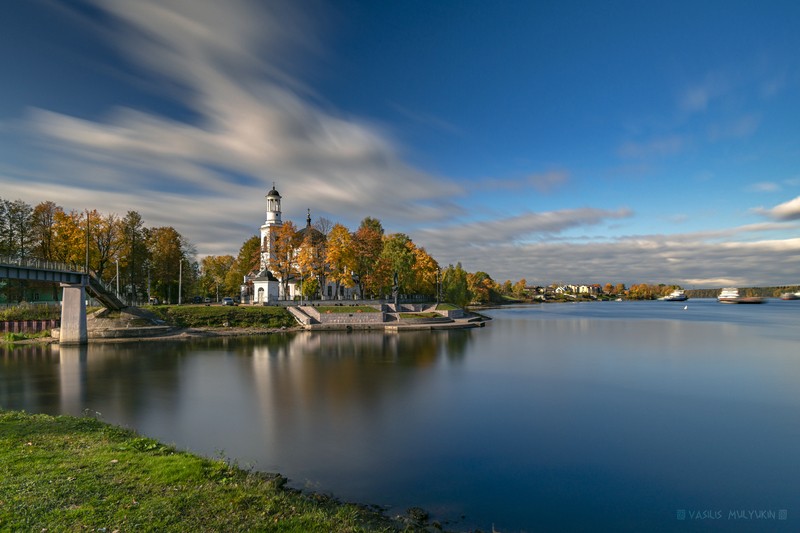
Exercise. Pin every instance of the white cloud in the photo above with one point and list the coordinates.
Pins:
(786, 211)
(764, 186)
(232, 64)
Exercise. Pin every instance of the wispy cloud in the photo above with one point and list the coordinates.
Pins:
(255, 123)
(658, 147)
(786, 211)
(738, 128)
(542, 182)
(764, 186)
(697, 97)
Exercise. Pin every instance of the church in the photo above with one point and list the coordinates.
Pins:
(263, 287)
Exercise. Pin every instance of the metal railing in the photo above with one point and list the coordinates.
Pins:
(40, 264)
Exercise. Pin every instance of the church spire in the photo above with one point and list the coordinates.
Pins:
(308, 219)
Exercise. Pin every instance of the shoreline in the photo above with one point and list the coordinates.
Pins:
(64, 463)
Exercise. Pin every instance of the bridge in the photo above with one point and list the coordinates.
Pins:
(75, 285)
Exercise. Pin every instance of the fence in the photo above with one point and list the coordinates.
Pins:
(28, 326)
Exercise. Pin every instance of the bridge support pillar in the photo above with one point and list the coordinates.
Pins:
(73, 315)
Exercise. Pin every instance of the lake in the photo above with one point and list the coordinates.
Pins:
(625, 416)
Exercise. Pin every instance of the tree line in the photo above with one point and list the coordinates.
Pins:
(147, 261)
(365, 260)
(158, 261)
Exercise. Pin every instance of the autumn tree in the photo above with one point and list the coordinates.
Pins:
(519, 289)
(106, 241)
(340, 257)
(285, 248)
(481, 287)
(69, 243)
(311, 261)
(506, 288)
(367, 248)
(425, 273)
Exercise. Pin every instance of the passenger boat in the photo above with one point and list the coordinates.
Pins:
(731, 296)
(678, 295)
(790, 296)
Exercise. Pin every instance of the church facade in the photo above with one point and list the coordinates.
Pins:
(266, 285)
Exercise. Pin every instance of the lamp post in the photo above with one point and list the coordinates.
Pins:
(117, 262)
(180, 279)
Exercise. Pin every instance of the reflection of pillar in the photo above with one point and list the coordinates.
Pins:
(73, 315)
(72, 374)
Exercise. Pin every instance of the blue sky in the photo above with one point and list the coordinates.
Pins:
(556, 141)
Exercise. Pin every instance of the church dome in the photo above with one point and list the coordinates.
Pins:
(274, 192)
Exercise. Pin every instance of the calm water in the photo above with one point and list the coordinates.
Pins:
(574, 417)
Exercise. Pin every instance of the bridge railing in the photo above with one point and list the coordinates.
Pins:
(39, 263)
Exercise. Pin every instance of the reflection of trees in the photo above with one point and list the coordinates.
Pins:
(28, 378)
(329, 371)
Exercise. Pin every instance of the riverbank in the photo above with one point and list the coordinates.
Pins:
(67, 473)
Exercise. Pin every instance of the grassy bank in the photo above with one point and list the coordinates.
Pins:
(202, 316)
(74, 474)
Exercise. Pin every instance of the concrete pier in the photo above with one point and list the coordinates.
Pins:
(73, 315)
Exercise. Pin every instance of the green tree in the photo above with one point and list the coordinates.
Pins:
(167, 254)
(340, 257)
(134, 257)
(454, 285)
(214, 271)
(248, 261)
(18, 235)
(398, 256)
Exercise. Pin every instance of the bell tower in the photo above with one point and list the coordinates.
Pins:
(270, 226)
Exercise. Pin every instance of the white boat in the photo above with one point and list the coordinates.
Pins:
(678, 295)
(790, 296)
(731, 296)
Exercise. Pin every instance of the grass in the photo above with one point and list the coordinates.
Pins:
(73, 474)
(199, 316)
(346, 309)
(14, 337)
(31, 312)
(447, 307)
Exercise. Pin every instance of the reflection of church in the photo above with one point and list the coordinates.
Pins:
(265, 286)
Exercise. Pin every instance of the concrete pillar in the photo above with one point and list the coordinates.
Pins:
(73, 315)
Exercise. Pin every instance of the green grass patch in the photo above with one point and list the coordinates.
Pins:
(346, 309)
(429, 314)
(80, 474)
(14, 337)
(447, 307)
(201, 316)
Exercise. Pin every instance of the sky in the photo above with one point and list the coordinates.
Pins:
(559, 141)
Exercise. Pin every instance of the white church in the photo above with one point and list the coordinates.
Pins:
(264, 287)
